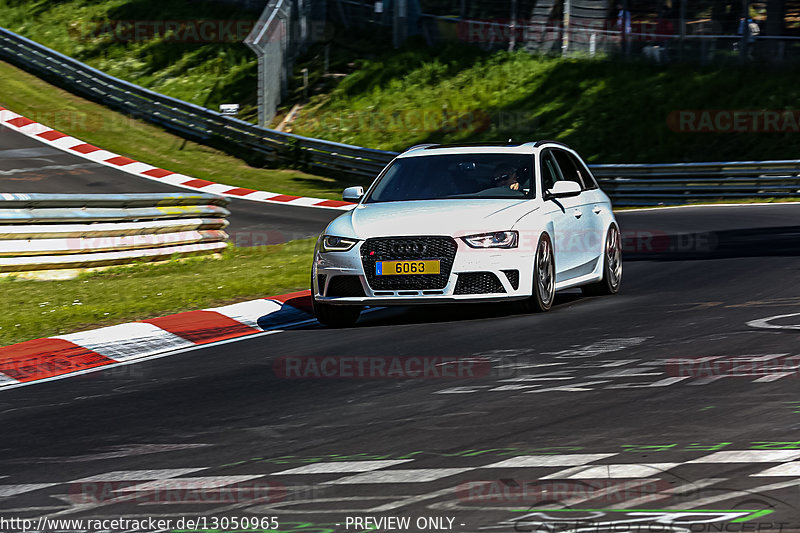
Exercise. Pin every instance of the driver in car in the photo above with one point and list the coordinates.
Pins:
(506, 176)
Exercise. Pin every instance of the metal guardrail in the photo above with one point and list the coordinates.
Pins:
(679, 183)
(56, 231)
(628, 185)
(185, 118)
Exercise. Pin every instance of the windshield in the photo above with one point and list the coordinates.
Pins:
(455, 176)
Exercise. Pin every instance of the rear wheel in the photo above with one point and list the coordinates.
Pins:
(335, 316)
(544, 279)
(612, 267)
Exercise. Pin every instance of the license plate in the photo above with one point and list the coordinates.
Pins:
(406, 268)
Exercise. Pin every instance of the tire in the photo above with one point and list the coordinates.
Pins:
(544, 278)
(612, 267)
(335, 316)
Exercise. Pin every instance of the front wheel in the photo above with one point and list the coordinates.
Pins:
(544, 278)
(612, 267)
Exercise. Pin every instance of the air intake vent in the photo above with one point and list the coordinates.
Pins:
(513, 278)
(345, 286)
(478, 283)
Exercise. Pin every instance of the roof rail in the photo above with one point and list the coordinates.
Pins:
(419, 146)
(537, 144)
(476, 144)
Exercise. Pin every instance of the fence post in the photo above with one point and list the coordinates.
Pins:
(682, 38)
(512, 27)
(565, 37)
(400, 25)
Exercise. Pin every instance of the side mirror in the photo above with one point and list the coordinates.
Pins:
(353, 194)
(563, 189)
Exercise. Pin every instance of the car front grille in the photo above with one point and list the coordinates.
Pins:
(478, 283)
(408, 248)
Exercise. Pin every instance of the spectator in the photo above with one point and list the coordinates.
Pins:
(664, 30)
(749, 30)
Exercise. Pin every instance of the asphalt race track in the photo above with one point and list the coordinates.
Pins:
(585, 402)
(672, 406)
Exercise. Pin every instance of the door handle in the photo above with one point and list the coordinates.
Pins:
(597, 210)
(578, 213)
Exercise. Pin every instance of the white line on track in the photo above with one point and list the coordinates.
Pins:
(764, 323)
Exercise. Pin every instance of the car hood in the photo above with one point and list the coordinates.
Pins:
(431, 217)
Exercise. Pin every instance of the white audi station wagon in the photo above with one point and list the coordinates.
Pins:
(469, 223)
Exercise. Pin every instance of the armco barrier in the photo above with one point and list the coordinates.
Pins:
(54, 231)
(679, 183)
(185, 118)
(628, 185)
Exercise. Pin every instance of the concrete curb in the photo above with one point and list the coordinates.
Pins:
(77, 147)
(74, 353)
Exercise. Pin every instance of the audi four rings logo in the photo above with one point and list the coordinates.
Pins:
(409, 248)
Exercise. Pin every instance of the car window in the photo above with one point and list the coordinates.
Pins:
(568, 169)
(455, 176)
(584, 173)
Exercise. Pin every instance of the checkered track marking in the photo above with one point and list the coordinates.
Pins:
(749, 456)
(341, 467)
(417, 475)
(381, 472)
(139, 475)
(525, 461)
(210, 482)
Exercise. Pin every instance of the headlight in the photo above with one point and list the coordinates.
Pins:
(331, 243)
(498, 239)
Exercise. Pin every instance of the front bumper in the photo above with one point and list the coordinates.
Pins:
(467, 260)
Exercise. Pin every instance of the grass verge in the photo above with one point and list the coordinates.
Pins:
(611, 111)
(36, 309)
(202, 59)
(27, 95)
